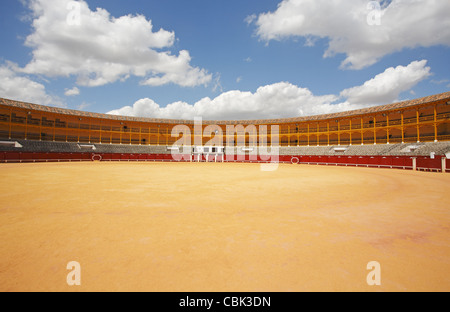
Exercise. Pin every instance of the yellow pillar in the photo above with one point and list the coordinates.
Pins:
(362, 131)
(308, 134)
(110, 133)
(10, 122)
(403, 130)
(328, 132)
(418, 128)
(121, 130)
(435, 124)
(339, 132)
(387, 129)
(289, 136)
(90, 130)
(374, 130)
(317, 134)
(167, 137)
(140, 134)
(101, 130)
(26, 126)
(54, 128)
(351, 132)
(158, 134)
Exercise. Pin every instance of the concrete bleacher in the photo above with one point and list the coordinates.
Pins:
(68, 147)
(404, 149)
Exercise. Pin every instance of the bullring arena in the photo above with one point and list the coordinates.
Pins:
(338, 192)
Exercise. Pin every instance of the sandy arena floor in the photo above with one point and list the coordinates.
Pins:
(222, 227)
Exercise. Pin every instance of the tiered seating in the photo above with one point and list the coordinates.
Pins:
(368, 150)
(305, 150)
(439, 148)
(406, 149)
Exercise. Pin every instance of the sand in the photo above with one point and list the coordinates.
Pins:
(222, 227)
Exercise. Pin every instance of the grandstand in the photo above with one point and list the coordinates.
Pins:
(393, 136)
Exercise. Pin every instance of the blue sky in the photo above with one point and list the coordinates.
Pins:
(222, 59)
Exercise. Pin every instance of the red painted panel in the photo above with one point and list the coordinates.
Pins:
(27, 156)
(427, 162)
(124, 156)
(401, 161)
(12, 156)
(106, 156)
(115, 156)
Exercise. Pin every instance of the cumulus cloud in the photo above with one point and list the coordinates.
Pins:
(284, 100)
(277, 101)
(22, 88)
(387, 86)
(402, 24)
(69, 39)
(72, 92)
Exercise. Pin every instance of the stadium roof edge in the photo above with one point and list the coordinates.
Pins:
(352, 113)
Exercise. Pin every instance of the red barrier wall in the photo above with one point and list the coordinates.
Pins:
(404, 162)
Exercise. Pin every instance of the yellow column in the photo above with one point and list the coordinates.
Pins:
(339, 132)
(418, 129)
(40, 128)
(54, 128)
(289, 136)
(308, 134)
(101, 130)
(351, 132)
(167, 136)
(158, 127)
(403, 130)
(374, 130)
(328, 132)
(131, 133)
(362, 131)
(387, 129)
(10, 122)
(435, 124)
(110, 133)
(317, 134)
(26, 126)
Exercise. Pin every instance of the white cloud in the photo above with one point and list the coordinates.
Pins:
(277, 100)
(101, 49)
(83, 106)
(284, 100)
(403, 24)
(387, 86)
(21, 88)
(72, 92)
(217, 86)
(250, 19)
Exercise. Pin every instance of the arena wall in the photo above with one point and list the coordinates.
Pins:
(388, 136)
